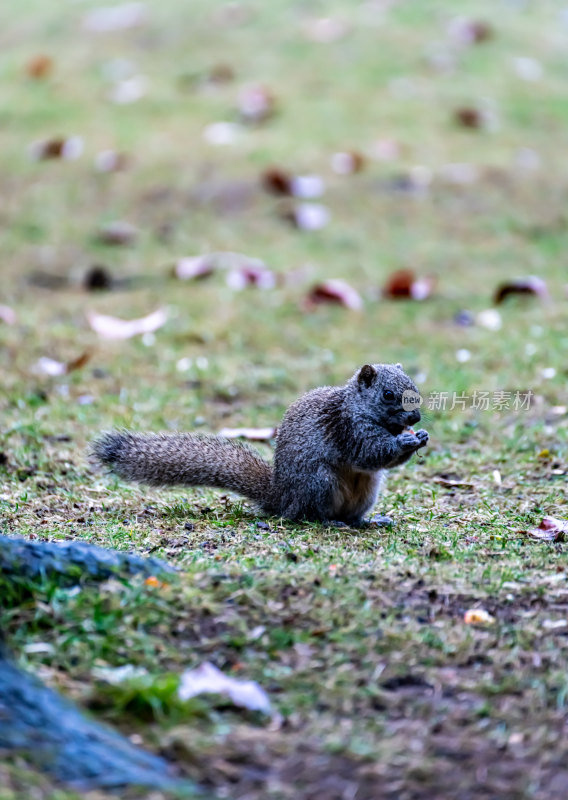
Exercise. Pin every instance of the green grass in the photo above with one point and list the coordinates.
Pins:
(358, 637)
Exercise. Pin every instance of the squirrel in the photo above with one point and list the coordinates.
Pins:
(332, 448)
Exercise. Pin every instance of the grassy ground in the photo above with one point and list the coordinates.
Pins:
(358, 637)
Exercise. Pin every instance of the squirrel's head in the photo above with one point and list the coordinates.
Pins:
(389, 396)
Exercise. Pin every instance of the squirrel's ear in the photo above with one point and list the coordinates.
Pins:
(367, 375)
(398, 366)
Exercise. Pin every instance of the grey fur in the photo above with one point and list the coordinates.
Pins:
(332, 449)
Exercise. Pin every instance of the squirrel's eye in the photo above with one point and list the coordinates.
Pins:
(388, 395)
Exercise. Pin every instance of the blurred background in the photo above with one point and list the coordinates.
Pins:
(215, 165)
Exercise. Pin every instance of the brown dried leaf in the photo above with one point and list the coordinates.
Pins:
(67, 149)
(526, 286)
(469, 117)
(39, 67)
(114, 328)
(334, 291)
(550, 529)
(276, 181)
(403, 284)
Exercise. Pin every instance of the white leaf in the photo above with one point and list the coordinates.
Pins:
(307, 186)
(311, 216)
(222, 133)
(207, 679)
(116, 675)
(49, 366)
(115, 328)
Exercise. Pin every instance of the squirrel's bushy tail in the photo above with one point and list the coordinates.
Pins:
(187, 459)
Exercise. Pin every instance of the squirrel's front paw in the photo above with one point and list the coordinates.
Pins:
(408, 441)
(422, 437)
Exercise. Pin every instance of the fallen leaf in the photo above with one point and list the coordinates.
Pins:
(347, 162)
(67, 149)
(478, 616)
(550, 529)
(117, 675)
(526, 286)
(155, 583)
(207, 679)
(242, 270)
(79, 363)
(307, 186)
(403, 284)
(490, 319)
(53, 368)
(118, 233)
(128, 90)
(8, 315)
(38, 647)
(256, 103)
(254, 434)
(115, 18)
(276, 181)
(49, 366)
(308, 216)
(554, 624)
(114, 328)
(111, 161)
(469, 31)
(454, 483)
(193, 267)
(39, 67)
(469, 117)
(334, 291)
(222, 133)
(251, 275)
